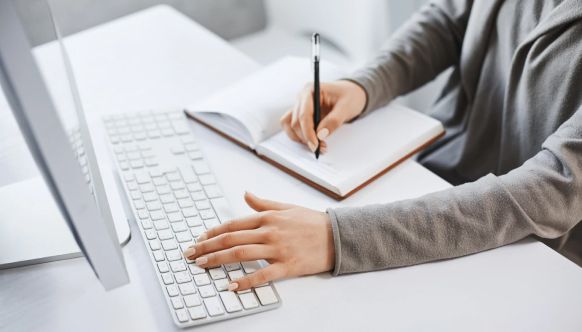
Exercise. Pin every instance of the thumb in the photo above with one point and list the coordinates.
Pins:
(259, 204)
(331, 122)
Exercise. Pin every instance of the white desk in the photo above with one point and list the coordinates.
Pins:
(160, 59)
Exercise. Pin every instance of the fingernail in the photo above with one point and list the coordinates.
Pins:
(232, 286)
(202, 237)
(201, 261)
(322, 134)
(189, 252)
(311, 146)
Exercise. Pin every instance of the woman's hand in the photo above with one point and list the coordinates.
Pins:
(341, 101)
(294, 240)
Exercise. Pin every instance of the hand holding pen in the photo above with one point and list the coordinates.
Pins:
(336, 102)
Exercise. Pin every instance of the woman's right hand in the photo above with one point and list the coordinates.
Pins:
(341, 102)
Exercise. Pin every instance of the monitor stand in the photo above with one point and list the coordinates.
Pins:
(32, 230)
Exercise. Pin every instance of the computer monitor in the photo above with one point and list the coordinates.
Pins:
(54, 135)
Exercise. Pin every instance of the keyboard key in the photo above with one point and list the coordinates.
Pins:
(249, 301)
(148, 197)
(173, 255)
(206, 291)
(163, 267)
(197, 312)
(182, 315)
(232, 266)
(142, 214)
(167, 278)
(158, 255)
(163, 189)
(251, 266)
(266, 295)
(201, 279)
(217, 273)
(203, 205)
(154, 206)
(221, 284)
(192, 300)
(155, 245)
(196, 231)
(177, 185)
(194, 269)
(182, 277)
(173, 176)
(172, 290)
(167, 198)
(179, 226)
(161, 224)
(185, 203)
(169, 244)
(187, 288)
(159, 181)
(198, 195)
(211, 223)
(165, 234)
(213, 306)
(194, 221)
(175, 216)
(139, 203)
(206, 214)
(157, 215)
(172, 207)
(235, 275)
(189, 212)
(183, 236)
(193, 187)
(178, 266)
(200, 167)
(177, 303)
(195, 155)
(146, 224)
(132, 185)
(231, 302)
(150, 234)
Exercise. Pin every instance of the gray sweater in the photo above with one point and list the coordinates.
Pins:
(512, 109)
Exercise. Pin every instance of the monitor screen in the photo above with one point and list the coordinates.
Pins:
(43, 88)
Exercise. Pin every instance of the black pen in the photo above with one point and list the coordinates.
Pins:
(316, 92)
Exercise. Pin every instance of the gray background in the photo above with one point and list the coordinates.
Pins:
(227, 18)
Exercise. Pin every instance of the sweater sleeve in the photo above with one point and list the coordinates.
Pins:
(426, 45)
(542, 197)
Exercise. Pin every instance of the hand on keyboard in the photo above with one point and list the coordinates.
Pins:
(294, 240)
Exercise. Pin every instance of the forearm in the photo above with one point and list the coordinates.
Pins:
(541, 197)
(427, 44)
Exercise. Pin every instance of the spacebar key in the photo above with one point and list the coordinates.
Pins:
(222, 209)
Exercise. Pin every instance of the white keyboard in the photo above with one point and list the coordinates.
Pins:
(175, 198)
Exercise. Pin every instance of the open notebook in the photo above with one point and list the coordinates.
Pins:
(248, 112)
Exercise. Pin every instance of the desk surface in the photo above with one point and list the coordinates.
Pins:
(160, 59)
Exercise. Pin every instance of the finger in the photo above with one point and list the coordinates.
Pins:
(259, 204)
(290, 133)
(306, 121)
(331, 122)
(302, 109)
(264, 275)
(243, 253)
(245, 223)
(224, 241)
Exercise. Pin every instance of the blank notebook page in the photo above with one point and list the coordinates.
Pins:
(356, 151)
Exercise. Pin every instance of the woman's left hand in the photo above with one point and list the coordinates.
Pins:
(294, 240)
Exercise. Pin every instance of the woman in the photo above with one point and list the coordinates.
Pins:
(512, 109)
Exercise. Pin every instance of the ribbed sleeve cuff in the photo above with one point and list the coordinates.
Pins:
(376, 96)
(337, 244)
